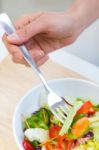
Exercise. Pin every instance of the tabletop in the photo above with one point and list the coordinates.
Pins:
(15, 81)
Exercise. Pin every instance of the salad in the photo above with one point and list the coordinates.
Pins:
(80, 131)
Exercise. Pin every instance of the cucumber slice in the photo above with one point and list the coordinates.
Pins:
(70, 117)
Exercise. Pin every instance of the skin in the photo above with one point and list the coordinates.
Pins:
(45, 32)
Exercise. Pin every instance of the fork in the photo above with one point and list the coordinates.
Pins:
(58, 105)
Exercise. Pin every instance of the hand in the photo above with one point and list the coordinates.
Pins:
(42, 33)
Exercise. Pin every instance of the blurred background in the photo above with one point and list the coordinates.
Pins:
(87, 45)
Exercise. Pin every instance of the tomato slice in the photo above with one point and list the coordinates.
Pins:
(91, 111)
(69, 144)
(85, 108)
(27, 145)
(54, 131)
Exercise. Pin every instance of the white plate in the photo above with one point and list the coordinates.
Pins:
(68, 86)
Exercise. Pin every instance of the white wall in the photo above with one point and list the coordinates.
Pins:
(87, 45)
(15, 8)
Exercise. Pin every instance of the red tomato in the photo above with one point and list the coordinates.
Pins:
(27, 145)
(69, 144)
(54, 131)
(91, 111)
(85, 108)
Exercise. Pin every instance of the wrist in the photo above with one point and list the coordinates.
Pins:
(84, 13)
(79, 20)
(71, 21)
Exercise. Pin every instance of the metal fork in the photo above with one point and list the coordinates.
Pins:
(58, 105)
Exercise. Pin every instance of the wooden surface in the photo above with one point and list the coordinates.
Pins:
(15, 81)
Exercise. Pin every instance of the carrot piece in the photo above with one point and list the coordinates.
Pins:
(80, 127)
(48, 146)
(60, 142)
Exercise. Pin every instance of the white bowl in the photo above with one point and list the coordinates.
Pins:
(67, 87)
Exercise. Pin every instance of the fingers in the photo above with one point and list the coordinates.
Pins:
(42, 60)
(26, 32)
(26, 19)
(17, 57)
(13, 49)
(38, 57)
(35, 55)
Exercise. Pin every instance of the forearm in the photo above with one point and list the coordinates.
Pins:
(85, 12)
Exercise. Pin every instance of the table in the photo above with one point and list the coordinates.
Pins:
(15, 81)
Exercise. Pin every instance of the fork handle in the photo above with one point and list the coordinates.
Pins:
(34, 66)
(9, 29)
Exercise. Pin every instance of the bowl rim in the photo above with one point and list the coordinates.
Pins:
(37, 86)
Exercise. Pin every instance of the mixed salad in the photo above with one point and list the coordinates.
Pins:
(80, 131)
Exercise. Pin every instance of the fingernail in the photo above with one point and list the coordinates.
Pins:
(13, 37)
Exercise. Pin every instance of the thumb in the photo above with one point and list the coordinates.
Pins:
(24, 34)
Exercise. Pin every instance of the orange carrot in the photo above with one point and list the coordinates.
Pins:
(80, 127)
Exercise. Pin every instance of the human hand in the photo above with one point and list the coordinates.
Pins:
(42, 33)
